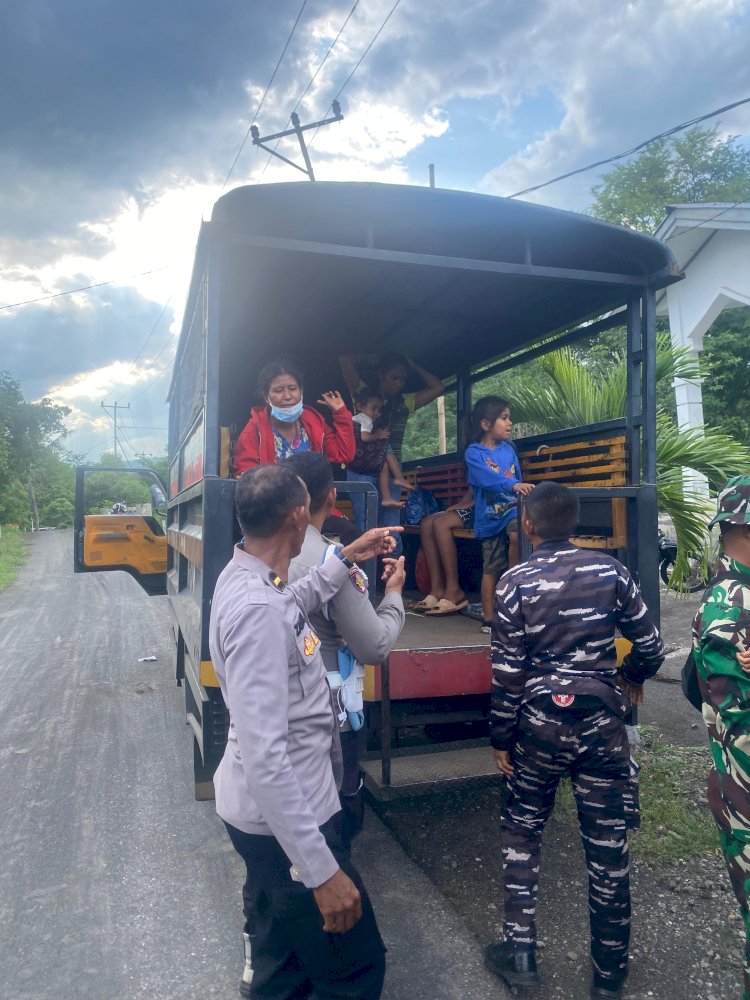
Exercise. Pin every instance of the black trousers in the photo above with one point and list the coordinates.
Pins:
(292, 957)
(586, 742)
(351, 795)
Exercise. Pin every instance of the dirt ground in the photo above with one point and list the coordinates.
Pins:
(687, 934)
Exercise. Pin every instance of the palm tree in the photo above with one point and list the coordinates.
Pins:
(569, 394)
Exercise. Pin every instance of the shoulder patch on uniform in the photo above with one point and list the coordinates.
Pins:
(359, 579)
(276, 582)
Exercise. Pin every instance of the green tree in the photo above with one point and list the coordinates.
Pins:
(28, 433)
(726, 357)
(697, 167)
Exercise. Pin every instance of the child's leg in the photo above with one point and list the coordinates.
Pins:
(513, 546)
(494, 562)
(488, 596)
(392, 466)
(384, 485)
(448, 553)
(429, 547)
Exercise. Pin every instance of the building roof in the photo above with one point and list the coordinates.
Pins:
(688, 229)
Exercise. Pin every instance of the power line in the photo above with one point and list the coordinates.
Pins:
(312, 80)
(359, 61)
(629, 152)
(85, 288)
(153, 381)
(265, 93)
(120, 387)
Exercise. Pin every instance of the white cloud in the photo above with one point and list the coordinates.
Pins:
(106, 176)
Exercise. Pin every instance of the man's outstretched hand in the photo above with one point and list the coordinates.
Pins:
(375, 542)
(340, 903)
(394, 575)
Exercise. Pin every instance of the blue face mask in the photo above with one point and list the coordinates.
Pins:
(287, 414)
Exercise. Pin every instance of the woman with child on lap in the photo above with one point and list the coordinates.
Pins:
(395, 408)
(282, 425)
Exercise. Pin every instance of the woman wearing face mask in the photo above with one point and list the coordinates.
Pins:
(282, 425)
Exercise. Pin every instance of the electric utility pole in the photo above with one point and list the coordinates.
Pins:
(115, 407)
(297, 129)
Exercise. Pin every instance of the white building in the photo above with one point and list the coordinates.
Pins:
(712, 245)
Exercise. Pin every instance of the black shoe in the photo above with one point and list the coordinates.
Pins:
(516, 968)
(606, 989)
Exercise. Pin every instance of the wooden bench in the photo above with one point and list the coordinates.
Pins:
(599, 462)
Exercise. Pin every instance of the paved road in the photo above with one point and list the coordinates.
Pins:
(115, 882)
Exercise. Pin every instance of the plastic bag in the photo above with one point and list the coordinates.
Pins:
(420, 504)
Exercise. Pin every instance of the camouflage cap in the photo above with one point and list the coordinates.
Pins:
(734, 502)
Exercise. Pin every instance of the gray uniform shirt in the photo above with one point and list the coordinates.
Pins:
(276, 778)
(350, 618)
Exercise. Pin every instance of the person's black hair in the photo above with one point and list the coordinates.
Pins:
(272, 371)
(554, 509)
(366, 393)
(487, 408)
(392, 359)
(265, 497)
(315, 472)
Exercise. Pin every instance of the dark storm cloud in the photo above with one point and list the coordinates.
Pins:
(101, 98)
(46, 345)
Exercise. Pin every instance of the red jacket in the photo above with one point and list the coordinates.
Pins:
(255, 445)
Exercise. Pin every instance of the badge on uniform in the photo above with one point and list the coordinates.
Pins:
(359, 579)
(563, 700)
(310, 641)
(276, 581)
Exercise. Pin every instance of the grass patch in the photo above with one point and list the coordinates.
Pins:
(675, 824)
(12, 553)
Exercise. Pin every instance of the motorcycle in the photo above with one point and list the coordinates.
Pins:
(696, 579)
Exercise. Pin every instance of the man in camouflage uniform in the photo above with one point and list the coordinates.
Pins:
(558, 709)
(721, 630)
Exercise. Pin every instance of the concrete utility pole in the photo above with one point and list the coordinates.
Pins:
(115, 407)
(297, 129)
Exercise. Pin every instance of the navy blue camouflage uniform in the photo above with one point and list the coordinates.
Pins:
(557, 707)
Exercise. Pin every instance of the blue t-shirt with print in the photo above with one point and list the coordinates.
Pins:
(492, 473)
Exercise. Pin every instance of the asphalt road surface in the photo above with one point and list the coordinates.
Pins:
(115, 882)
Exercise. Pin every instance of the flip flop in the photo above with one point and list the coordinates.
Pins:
(426, 603)
(446, 607)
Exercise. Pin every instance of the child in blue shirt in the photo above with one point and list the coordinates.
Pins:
(495, 478)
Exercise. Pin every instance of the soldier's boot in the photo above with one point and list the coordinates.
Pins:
(247, 972)
(607, 989)
(516, 968)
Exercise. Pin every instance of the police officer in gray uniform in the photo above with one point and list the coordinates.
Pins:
(350, 630)
(311, 924)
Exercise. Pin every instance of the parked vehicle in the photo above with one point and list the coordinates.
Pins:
(467, 285)
(699, 574)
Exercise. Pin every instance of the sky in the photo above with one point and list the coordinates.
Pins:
(119, 124)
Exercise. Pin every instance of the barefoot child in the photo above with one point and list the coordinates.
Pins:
(495, 477)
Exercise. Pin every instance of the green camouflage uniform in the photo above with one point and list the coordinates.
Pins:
(721, 629)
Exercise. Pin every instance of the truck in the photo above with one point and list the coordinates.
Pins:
(468, 285)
